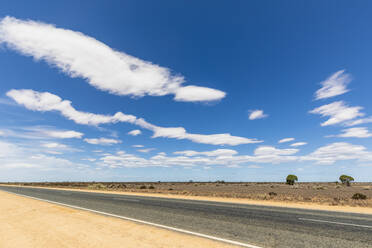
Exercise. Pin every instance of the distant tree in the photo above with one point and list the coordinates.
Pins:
(291, 179)
(345, 179)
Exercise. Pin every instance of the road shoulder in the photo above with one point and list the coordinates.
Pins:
(32, 223)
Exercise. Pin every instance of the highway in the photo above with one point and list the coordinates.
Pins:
(255, 226)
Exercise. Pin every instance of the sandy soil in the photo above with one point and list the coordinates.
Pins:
(303, 205)
(30, 223)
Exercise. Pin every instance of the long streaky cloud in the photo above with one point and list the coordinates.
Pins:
(45, 101)
(354, 132)
(338, 112)
(82, 56)
(335, 85)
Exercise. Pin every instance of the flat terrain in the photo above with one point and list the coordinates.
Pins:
(34, 224)
(330, 194)
(259, 225)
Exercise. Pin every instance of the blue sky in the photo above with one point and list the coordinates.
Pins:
(185, 90)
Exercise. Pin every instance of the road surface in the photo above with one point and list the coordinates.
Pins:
(261, 226)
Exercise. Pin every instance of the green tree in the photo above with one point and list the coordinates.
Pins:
(291, 179)
(345, 179)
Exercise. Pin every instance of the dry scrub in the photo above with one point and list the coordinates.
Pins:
(331, 194)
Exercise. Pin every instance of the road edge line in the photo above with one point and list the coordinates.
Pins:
(335, 222)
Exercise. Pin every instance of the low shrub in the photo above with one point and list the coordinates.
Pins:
(359, 196)
(151, 187)
(143, 187)
(272, 194)
(97, 186)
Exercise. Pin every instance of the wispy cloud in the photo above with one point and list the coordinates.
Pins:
(135, 132)
(257, 114)
(214, 153)
(54, 145)
(45, 101)
(359, 121)
(286, 140)
(40, 132)
(298, 144)
(339, 151)
(82, 56)
(137, 146)
(270, 150)
(335, 85)
(355, 132)
(146, 150)
(338, 112)
(64, 134)
(102, 141)
(14, 156)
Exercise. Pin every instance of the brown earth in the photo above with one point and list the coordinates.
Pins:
(30, 223)
(328, 194)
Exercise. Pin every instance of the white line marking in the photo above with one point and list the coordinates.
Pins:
(146, 222)
(337, 223)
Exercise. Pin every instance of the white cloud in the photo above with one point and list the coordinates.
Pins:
(102, 141)
(8, 149)
(334, 85)
(18, 157)
(146, 150)
(135, 132)
(355, 132)
(82, 56)
(298, 144)
(53, 152)
(359, 121)
(137, 146)
(197, 94)
(270, 150)
(221, 157)
(331, 153)
(218, 152)
(54, 145)
(338, 112)
(40, 132)
(257, 114)
(45, 101)
(328, 154)
(2, 133)
(89, 159)
(286, 140)
(64, 134)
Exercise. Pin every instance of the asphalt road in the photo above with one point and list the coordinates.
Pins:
(251, 224)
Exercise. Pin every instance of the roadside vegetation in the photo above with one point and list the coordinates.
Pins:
(291, 179)
(346, 193)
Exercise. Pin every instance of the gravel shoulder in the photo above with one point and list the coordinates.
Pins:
(30, 223)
